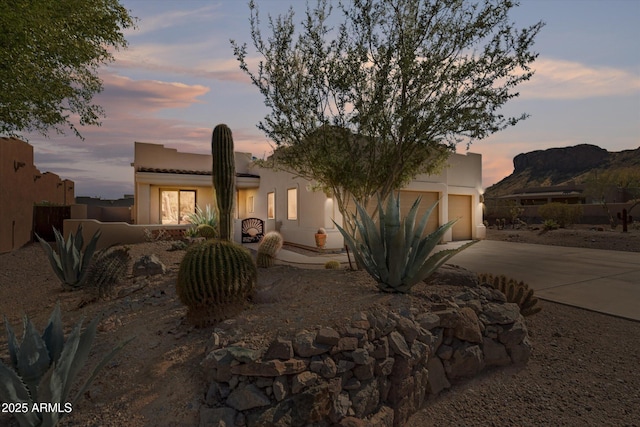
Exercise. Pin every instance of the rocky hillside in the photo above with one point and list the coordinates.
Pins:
(561, 166)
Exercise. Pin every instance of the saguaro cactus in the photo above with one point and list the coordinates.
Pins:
(626, 219)
(224, 177)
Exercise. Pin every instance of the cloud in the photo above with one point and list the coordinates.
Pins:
(559, 79)
(147, 95)
(100, 165)
(172, 19)
(182, 60)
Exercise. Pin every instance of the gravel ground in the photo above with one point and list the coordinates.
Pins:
(584, 368)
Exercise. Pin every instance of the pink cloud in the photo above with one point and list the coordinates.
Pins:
(147, 95)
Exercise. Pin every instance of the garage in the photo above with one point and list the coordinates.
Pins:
(460, 207)
(428, 199)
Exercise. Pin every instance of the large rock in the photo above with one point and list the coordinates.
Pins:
(468, 326)
(568, 159)
(247, 397)
(148, 265)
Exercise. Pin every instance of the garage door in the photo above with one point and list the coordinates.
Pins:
(406, 201)
(428, 199)
(460, 207)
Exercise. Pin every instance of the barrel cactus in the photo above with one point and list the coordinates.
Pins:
(269, 246)
(216, 278)
(206, 231)
(332, 265)
(514, 291)
(224, 177)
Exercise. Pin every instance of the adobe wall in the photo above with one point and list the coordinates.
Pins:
(21, 186)
(376, 371)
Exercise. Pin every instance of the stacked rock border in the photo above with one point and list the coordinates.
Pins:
(376, 371)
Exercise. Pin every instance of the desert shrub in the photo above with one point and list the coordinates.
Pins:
(215, 280)
(269, 246)
(562, 213)
(550, 224)
(332, 265)
(71, 262)
(394, 252)
(44, 367)
(514, 291)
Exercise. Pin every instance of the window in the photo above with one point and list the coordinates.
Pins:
(176, 205)
(292, 203)
(271, 205)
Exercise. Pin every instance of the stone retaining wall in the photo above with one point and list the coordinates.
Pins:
(376, 371)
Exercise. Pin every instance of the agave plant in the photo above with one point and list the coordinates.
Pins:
(43, 368)
(207, 216)
(71, 263)
(394, 253)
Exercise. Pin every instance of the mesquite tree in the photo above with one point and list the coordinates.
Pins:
(364, 106)
(50, 53)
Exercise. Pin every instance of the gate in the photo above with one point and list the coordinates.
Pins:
(45, 218)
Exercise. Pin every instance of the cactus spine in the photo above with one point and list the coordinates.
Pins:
(269, 246)
(215, 280)
(332, 265)
(206, 231)
(516, 292)
(224, 175)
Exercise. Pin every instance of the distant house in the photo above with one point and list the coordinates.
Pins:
(22, 186)
(170, 184)
(531, 196)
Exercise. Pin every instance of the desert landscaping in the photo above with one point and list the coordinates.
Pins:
(582, 367)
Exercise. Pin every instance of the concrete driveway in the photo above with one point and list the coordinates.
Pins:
(599, 280)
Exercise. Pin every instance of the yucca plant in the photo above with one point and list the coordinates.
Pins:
(394, 252)
(43, 368)
(70, 262)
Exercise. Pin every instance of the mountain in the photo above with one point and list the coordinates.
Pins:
(562, 166)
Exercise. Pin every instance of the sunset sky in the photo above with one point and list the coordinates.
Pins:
(179, 78)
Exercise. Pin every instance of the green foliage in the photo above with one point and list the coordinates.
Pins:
(332, 265)
(207, 216)
(550, 224)
(70, 262)
(395, 254)
(50, 52)
(515, 292)
(365, 105)
(562, 213)
(206, 231)
(215, 280)
(43, 368)
(269, 246)
(108, 268)
(224, 177)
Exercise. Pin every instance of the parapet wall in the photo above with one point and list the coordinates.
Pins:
(375, 371)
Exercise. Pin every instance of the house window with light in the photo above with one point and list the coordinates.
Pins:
(176, 205)
(271, 205)
(292, 203)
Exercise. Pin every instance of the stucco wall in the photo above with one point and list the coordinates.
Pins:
(462, 176)
(21, 186)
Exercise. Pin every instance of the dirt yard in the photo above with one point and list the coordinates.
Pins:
(584, 367)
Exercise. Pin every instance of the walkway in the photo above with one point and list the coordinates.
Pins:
(594, 279)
